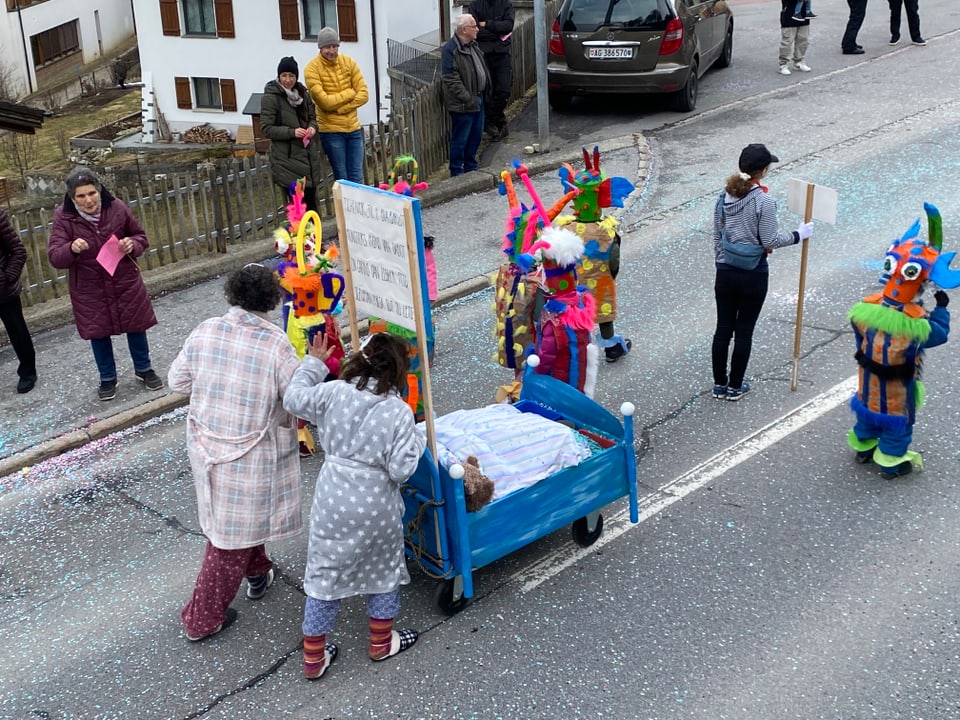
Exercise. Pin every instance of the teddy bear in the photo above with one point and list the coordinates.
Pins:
(477, 487)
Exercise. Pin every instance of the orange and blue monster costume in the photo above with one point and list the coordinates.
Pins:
(892, 330)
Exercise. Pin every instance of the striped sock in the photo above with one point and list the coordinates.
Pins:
(314, 655)
(381, 633)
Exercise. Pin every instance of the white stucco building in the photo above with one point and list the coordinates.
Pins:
(201, 60)
(41, 40)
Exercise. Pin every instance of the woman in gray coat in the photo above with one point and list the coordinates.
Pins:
(288, 118)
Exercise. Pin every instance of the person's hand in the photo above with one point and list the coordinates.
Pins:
(311, 132)
(805, 230)
(126, 245)
(942, 298)
(320, 348)
(79, 245)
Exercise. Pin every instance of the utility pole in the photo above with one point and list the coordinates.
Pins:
(540, 46)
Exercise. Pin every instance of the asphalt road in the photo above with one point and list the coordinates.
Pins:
(770, 577)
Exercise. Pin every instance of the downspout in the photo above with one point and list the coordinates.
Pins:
(376, 61)
(26, 55)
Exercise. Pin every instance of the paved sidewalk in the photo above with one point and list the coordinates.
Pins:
(465, 214)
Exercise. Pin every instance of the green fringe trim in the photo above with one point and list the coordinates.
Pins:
(860, 445)
(890, 321)
(920, 394)
(889, 461)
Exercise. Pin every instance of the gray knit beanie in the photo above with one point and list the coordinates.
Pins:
(327, 36)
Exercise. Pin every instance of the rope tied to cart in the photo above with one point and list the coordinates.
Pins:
(415, 538)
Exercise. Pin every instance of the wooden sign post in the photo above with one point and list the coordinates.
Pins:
(381, 243)
(814, 203)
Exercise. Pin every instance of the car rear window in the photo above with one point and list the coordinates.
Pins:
(591, 15)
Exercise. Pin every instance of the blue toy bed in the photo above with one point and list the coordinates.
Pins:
(449, 543)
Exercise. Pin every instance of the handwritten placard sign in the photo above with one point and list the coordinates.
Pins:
(379, 255)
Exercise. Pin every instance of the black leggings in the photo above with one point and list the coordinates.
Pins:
(740, 295)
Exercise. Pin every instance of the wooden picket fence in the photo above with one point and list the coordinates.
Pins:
(194, 213)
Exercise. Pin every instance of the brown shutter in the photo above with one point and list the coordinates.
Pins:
(223, 12)
(347, 20)
(170, 17)
(184, 100)
(289, 19)
(228, 95)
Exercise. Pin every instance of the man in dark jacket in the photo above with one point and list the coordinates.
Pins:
(495, 22)
(13, 256)
(794, 38)
(465, 82)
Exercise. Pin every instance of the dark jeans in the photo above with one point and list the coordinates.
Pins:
(11, 313)
(345, 153)
(103, 354)
(499, 65)
(913, 18)
(740, 295)
(466, 132)
(858, 10)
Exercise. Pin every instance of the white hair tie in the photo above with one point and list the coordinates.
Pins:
(744, 176)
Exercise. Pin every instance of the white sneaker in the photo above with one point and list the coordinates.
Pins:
(784, 70)
(802, 67)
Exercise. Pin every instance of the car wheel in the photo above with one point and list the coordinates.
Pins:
(560, 100)
(726, 57)
(686, 98)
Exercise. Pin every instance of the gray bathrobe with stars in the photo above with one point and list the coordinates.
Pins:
(371, 445)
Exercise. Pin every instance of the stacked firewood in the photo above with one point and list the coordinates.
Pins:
(206, 133)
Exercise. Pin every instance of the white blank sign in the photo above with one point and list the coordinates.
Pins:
(824, 200)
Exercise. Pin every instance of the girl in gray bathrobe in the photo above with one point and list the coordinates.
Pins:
(371, 446)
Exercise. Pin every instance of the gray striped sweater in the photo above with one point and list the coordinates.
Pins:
(750, 219)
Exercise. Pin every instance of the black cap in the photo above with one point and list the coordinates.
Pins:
(756, 157)
(288, 64)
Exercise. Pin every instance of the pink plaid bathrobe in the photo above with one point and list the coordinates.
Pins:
(242, 443)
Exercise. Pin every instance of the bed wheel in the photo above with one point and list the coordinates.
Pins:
(448, 596)
(582, 535)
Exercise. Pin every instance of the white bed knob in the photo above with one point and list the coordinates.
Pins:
(628, 409)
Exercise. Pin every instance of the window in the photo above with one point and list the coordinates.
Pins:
(55, 43)
(318, 14)
(207, 93)
(199, 17)
(338, 14)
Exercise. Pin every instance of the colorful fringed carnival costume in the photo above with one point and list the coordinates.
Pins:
(600, 264)
(892, 330)
(399, 183)
(515, 290)
(312, 289)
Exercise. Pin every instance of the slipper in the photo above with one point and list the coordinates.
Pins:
(399, 641)
(311, 672)
(231, 616)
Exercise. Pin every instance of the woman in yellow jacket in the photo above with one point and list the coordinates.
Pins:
(338, 89)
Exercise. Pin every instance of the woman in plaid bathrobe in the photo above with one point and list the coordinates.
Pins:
(242, 445)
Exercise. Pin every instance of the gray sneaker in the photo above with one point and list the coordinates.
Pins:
(107, 390)
(257, 585)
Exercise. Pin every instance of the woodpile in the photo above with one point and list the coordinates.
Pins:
(206, 134)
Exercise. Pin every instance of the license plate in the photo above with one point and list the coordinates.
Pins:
(610, 53)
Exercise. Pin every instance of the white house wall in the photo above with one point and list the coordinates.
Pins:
(250, 58)
(405, 25)
(116, 27)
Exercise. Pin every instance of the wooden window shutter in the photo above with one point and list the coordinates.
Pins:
(289, 19)
(347, 20)
(184, 101)
(170, 17)
(223, 13)
(228, 95)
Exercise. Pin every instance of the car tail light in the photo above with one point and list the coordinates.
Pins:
(556, 43)
(672, 37)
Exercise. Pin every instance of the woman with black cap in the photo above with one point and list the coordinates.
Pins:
(288, 118)
(745, 231)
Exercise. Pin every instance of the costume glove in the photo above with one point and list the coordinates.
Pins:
(942, 298)
(805, 230)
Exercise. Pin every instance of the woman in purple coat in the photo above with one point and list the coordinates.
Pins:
(104, 303)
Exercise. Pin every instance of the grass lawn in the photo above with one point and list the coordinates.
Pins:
(78, 117)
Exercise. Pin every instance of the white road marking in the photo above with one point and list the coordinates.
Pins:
(678, 488)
